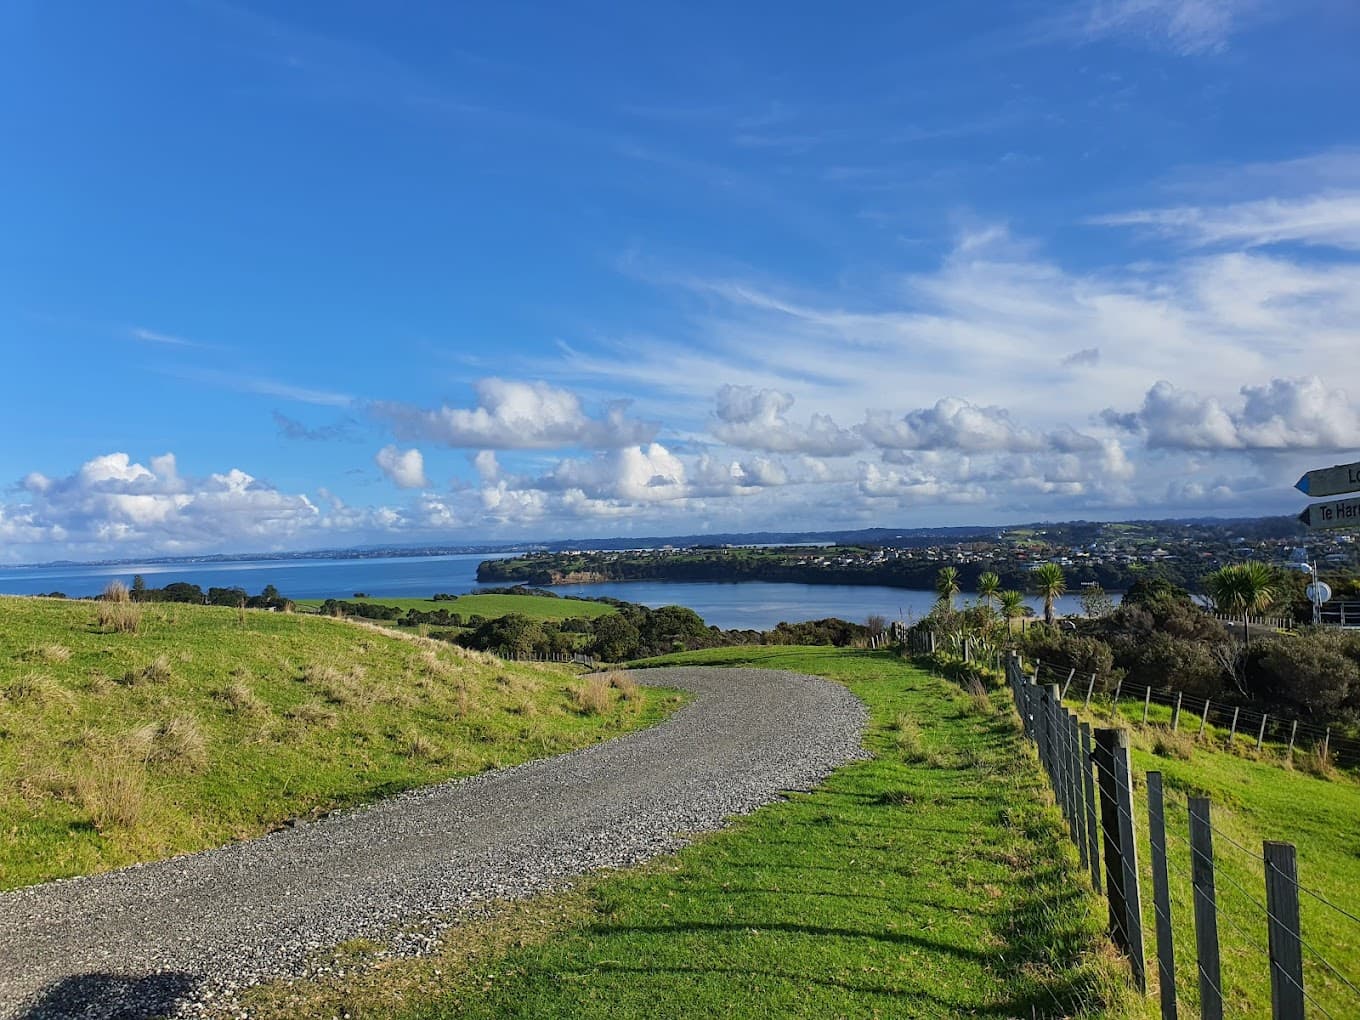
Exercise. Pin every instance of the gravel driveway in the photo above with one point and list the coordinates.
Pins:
(161, 938)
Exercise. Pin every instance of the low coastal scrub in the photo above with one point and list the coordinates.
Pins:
(202, 725)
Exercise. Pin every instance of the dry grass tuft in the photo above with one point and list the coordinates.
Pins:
(313, 713)
(34, 689)
(416, 745)
(1166, 744)
(122, 617)
(113, 792)
(116, 591)
(157, 671)
(180, 741)
(50, 654)
(341, 687)
(462, 700)
(591, 696)
(240, 698)
(98, 682)
(628, 688)
(978, 699)
(1315, 764)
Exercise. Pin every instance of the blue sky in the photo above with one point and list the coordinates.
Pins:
(295, 276)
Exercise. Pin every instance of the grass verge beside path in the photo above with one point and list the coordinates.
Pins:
(930, 881)
(1256, 796)
(205, 725)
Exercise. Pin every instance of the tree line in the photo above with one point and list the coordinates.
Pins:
(1160, 636)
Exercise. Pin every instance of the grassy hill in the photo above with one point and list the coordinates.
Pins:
(199, 725)
(1256, 796)
(930, 881)
(538, 607)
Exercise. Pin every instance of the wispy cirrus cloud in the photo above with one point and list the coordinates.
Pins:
(1184, 27)
(263, 386)
(152, 336)
(1328, 220)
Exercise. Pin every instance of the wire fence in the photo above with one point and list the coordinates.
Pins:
(1233, 930)
(1204, 718)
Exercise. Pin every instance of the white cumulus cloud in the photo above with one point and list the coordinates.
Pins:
(514, 415)
(1283, 414)
(755, 419)
(404, 468)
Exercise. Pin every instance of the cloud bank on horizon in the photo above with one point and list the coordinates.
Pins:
(1100, 264)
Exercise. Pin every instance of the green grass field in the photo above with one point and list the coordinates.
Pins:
(931, 881)
(208, 725)
(1256, 796)
(538, 607)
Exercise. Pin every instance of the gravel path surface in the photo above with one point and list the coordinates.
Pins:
(168, 937)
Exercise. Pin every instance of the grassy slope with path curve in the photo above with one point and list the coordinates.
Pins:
(931, 881)
(207, 725)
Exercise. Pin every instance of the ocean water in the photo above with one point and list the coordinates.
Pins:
(755, 605)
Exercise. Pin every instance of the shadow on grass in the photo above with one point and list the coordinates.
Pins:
(901, 999)
(111, 996)
(789, 928)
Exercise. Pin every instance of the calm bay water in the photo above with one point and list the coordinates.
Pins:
(759, 605)
(755, 605)
(407, 576)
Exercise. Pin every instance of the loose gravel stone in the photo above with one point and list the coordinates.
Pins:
(174, 936)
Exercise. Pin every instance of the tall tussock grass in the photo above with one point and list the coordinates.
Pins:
(157, 671)
(112, 791)
(116, 611)
(591, 695)
(34, 689)
(623, 683)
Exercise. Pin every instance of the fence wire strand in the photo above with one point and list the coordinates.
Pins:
(1049, 728)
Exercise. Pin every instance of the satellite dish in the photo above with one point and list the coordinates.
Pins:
(1318, 592)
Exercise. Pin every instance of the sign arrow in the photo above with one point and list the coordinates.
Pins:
(1330, 481)
(1336, 513)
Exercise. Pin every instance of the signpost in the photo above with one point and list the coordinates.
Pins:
(1332, 481)
(1336, 513)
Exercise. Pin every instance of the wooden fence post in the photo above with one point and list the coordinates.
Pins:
(1121, 860)
(1161, 897)
(1070, 674)
(1286, 947)
(1066, 774)
(1147, 701)
(1204, 719)
(1077, 791)
(1326, 744)
(1088, 787)
(1090, 687)
(1047, 728)
(1232, 733)
(1206, 909)
(1261, 733)
(1293, 732)
(1117, 686)
(1176, 715)
(1055, 756)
